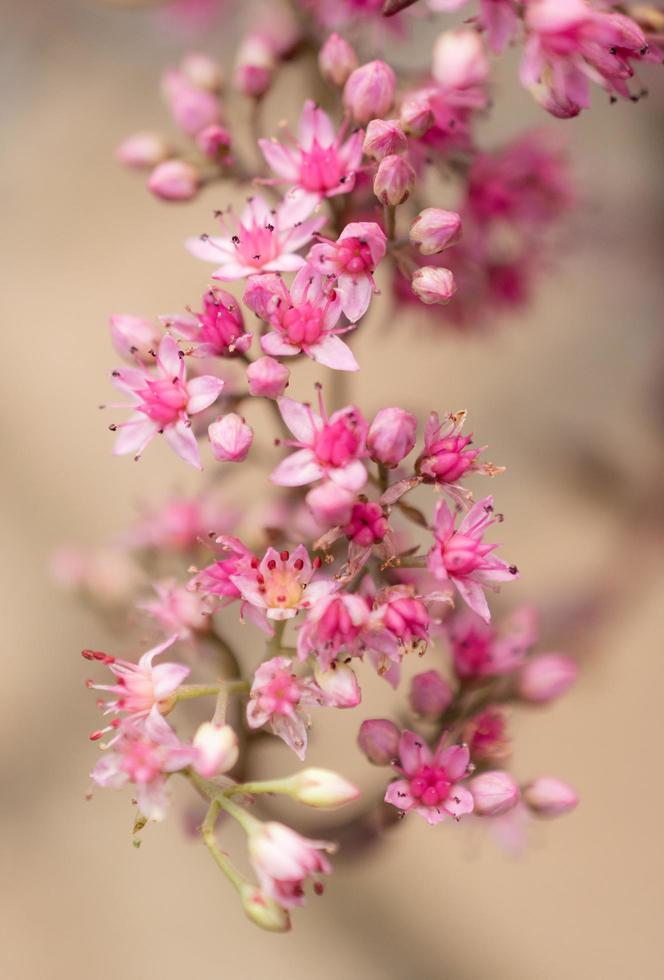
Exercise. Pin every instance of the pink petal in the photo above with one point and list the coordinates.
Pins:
(210, 249)
(133, 436)
(297, 470)
(355, 296)
(231, 270)
(203, 392)
(274, 345)
(296, 208)
(293, 731)
(455, 760)
(168, 357)
(279, 159)
(351, 477)
(301, 234)
(459, 802)
(398, 794)
(302, 421)
(180, 438)
(413, 752)
(286, 262)
(332, 352)
(166, 678)
(472, 594)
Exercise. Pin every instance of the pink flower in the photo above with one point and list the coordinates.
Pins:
(202, 71)
(174, 180)
(430, 694)
(139, 686)
(163, 402)
(460, 557)
(378, 739)
(570, 44)
(178, 610)
(215, 143)
(276, 697)
(181, 523)
(217, 579)
(416, 115)
(480, 651)
(319, 162)
(446, 457)
(283, 861)
(486, 736)
(334, 624)
(303, 319)
(280, 585)
(215, 748)
(398, 623)
(336, 60)
(265, 239)
(218, 331)
(231, 438)
(267, 378)
(327, 447)
(367, 524)
(352, 259)
(369, 91)
(459, 62)
(498, 18)
(430, 784)
(330, 504)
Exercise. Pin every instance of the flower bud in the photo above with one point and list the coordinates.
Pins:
(336, 60)
(263, 910)
(549, 797)
(433, 285)
(254, 67)
(367, 525)
(230, 438)
(394, 180)
(378, 738)
(339, 685)
(330, 504)
(322, 789)
(369, 91)
(142, 151)
(216, 749)
(135, 336)
(267, 377)
(192, 108)
(391, 436)
(202, 71)
(416, 115)
(174, 180)
(214, 142)
(435, 229)
(383, 137)
(430, 694)
(546, 677)
(494, 793)
(459, 60)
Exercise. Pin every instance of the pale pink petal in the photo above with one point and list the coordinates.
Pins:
(398, 794)
(180, 438)
(459, 802)
(166, 678)
(297, 470)
(351, 477)
(296, 208)
(302, 421)
(145, 662)
(286, 262)
(332, 352)
(274, 345)
(203, 392)
(355, 296)
(472, 594)
(293, 731)
(232, 270)
(134, 435)
(413, 753)
(168, 357)
(454, 759)
(432, 814)
(210, 249)
(301, 234)
(279, 159)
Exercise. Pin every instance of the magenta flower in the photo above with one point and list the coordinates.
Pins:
(276, 697)
(429, 785)
(279, 586)
(303, 318)
(263, 240)
(217, 579)
(283, 861)
(327, 447)
(163, 401)
(335, 623)
(138, 687)
(178, 610)
(460, 557)
(218, 331)
(352, 259)
(478, 650)
(319, 162)
(446, 457)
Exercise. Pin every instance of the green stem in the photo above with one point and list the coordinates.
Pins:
(248, 822)
(274, 644)
(263, 786)
(210, 841)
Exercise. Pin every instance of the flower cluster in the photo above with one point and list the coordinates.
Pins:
(366, 544)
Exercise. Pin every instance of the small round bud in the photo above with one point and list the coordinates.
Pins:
(264, 911)
(383, 137)
(433, 285)
(546, 677)
(174, 180)
(230, 438)
(142, 151)
(369, 91)
(394, 180)
(416, 115)
(254, 67)
(192, 108)
(267, 377)
(430, 694)
(435, 229)
(392, 435)
(378, 738)
(494, 793)
(549, 797)
(216, 749)
(214, 142)
(330, 504)
(336, 60)
(322, 789)
(202, 71)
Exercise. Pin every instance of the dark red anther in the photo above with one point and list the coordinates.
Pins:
(260, 579)
(254, 562)
(298, 564)
(272, 564)
(316, 562)
(319, 887)
(88, 654)
(284, 555)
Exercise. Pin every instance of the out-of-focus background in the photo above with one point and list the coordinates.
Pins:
(568, 395)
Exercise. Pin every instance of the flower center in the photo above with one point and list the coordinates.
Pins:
(257, 244)
(283, 589)
(461, 555)
(320, 168)
(354, 257)
(431, 785)
(303, 324)
(163, 400)
(337, 443)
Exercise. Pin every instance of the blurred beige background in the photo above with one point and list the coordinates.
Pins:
(569, 396)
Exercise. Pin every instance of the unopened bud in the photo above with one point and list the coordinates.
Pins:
(546, 677)
(391, 436)
(267, 377)
(378, 738)
(494, 793)
(263, 910)
(230, 438)
(214, 142)
(433, 285)
(174, 180)
(192, 108)
(202, 71)
(394, 180)
(142, 151)
(216, 749)
(435, 229)
(416, 115)
(254, 67)
(339, 685)
(383, 137)
(336, 60)
(549, 797)
(430, 694)
(322, 789)
(369, 91)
